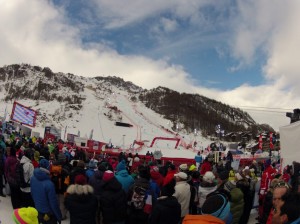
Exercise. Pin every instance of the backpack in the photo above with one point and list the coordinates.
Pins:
(142, 199)
(20, 180)
(11, 175)
(59, 176)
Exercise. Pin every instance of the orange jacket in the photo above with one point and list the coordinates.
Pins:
(209, 219)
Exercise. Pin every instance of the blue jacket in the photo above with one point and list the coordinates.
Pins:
(198, 159)
(297, 221)
(43, 193)
(125, 179)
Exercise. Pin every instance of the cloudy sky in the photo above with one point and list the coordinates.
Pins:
(240, 52)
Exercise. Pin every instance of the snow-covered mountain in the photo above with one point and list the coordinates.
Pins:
(86, 105)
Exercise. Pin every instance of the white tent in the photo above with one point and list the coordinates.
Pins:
(290, 143)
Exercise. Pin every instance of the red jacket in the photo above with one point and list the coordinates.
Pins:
(169, 177)
(267, 177)
(206, 166)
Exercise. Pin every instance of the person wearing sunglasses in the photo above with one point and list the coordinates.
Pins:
(288, 212)
(280, 189)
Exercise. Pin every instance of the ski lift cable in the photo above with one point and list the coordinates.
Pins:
(268, 108)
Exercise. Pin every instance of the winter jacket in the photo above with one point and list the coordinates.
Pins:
(43, 193)
(204, 190)
(236, 204)
(10, 170)
(157, 177)
(76, 171)
(206, 166)
(209, 219)
(95, 181)
(113, 201)
(125, 179)
(167, 210)
(81, 203)
(28, 172)
(169, 176)
(183, 195)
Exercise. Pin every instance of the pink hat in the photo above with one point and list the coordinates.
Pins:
(108, 174)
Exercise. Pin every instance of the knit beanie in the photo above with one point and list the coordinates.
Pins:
(121, 166)
(27, 215)
(183, 168)
(224, 175)
(209, 177)
(44, 164)
(80, 179)
(36, 156)
(108, 175)
(216, 205)
(192, 167)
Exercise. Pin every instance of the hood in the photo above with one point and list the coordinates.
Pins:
(122, 173)
(80, 189)
(24, 159)
(41, 174)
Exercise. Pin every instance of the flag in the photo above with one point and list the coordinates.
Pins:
(23, 114)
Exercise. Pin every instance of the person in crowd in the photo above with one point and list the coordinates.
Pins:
(96, 182)
(207, 186)
(182, 192)
(141, 196)
(167, 210)
(91, 169)
(156, 176)
(236, 198)
(171, 170)
(206, 166)
(216, 209)
(60, 176)
(288, 210)
(10, 174)
(267, 176)
(79, 169)
(198, 160)
(81, 202)
(113, 201)
(123, 177)
(280, 189)
(268, 201)
(2, 163)
(286, 176)
(43, 194)
(254, 166)
(243, 184)
(25, 215)
(28, 169)
(183, 168)
(195, 183)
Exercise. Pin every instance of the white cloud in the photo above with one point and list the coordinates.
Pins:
(41, 35)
